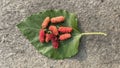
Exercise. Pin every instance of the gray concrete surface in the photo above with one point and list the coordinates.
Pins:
(94, 15)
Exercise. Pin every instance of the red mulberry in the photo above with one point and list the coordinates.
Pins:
(57, 19)
(49, 37)
(55, 42)
(63, 29)
(53, 29)
(46, 22)
(65, 36)
(41, 35)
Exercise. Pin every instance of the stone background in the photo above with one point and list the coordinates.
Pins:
(94, 15)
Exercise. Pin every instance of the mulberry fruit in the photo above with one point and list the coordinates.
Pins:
(45, 22)
(51, 33)
(41, 35)
(53, 29)
(65, 29)
(55, 42)
(64, 36)
(57, 19)
(47, 39)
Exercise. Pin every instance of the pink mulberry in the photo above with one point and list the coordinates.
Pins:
(65, 36)
(47, 39)
(57, 19)
(45, 22)
(63, 29)
(53, 29)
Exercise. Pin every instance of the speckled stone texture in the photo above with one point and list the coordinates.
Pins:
(94, 15)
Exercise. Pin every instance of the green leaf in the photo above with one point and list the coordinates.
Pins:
(31, 25)
(30, 28)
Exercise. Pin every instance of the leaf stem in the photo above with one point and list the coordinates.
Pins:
(94, 33)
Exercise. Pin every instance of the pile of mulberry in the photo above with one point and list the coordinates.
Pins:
(53, 34)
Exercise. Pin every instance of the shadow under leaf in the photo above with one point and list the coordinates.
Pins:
(82, 54)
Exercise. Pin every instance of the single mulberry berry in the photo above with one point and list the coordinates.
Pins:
(63, 29)
(41, 35)
(47, 37)
(53, 29)
(45, 22)
(55, 42)
(57, 19)
(65, 36)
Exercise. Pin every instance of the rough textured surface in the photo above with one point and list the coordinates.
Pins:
(94, 15)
